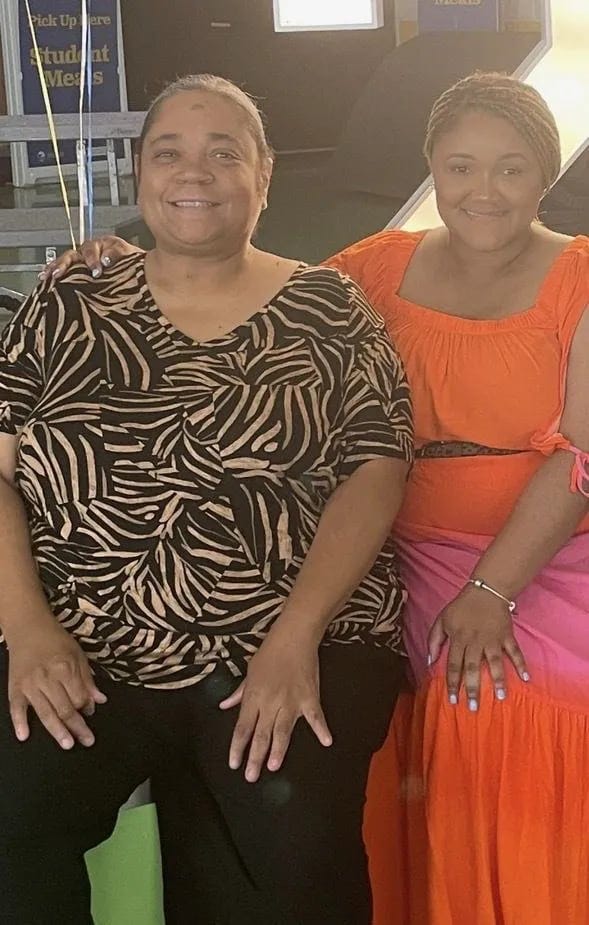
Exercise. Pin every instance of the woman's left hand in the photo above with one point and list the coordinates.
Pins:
(478, 628)
(281, 686)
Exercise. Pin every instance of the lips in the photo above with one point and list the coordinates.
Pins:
(475, 214)
(194, 204)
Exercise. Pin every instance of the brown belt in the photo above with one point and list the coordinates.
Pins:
(448, 449)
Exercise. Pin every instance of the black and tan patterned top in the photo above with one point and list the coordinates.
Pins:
(173, 488)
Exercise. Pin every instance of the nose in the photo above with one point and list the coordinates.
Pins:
(195, 169)
(484, 187)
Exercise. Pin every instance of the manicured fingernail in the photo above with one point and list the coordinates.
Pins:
(273, 765)
(96, 272)
(105, 261)
(233, 764)
(525, 676)
(21, 734)
(88, 741)
(66, 743)
(453, 699)
(500, 693)
(473, 705)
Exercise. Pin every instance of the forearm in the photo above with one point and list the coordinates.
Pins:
(351, 533)
(545, 517)
(22, 600)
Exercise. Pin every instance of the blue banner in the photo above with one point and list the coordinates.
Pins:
(58, 27)
(459, 15)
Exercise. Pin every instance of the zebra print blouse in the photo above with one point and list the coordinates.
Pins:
(173, 488)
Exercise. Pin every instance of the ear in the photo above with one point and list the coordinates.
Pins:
(266, 168)
(137, 167)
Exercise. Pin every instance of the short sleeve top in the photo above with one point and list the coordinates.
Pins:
(173, 488)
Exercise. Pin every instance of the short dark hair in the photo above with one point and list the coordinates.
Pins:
(218, 86)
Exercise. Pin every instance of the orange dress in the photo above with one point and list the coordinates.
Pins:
(484, 819)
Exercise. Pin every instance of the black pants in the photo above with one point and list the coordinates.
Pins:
(285, 851)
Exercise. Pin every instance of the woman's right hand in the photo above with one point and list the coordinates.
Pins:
(48, 671)
(96, 254)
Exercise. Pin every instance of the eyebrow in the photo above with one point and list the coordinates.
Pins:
(223, 136)
(504, 157)
(214, 136)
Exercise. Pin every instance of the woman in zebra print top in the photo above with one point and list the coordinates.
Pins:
(204, 452)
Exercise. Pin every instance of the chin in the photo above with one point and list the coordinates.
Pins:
(481, 238)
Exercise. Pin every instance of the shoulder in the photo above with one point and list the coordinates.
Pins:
(377, 262)
(577, 249)
(328, 307)
(568, 277)
(80, 300)
(114, 283)
(384, 245)
(56, 312)
(328, 302)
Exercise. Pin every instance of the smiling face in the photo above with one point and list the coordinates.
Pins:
(488, 181)
(201, 182)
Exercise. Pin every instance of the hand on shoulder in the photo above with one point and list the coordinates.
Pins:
(95, 254)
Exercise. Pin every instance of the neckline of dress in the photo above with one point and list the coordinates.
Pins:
(517, 319)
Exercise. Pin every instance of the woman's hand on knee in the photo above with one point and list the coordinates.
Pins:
(48, 672)
(96, 254)
(282, 685)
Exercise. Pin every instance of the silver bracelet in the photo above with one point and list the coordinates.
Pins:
(480, 583)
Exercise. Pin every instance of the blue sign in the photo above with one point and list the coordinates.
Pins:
(458, 15)
(58, 27)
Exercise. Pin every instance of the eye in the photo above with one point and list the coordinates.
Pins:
(166, 155)
(459, 168)
(512, 171)
(226, 155)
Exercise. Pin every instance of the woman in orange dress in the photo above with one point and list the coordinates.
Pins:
(484, 776)
(478, 807)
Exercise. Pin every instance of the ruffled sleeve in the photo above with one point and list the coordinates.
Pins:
(567, 293)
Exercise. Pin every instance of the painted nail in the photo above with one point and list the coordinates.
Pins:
(500, 693)
(105, 261)
(453, 699)
(473, 705)
(525, 676)
(96, 272)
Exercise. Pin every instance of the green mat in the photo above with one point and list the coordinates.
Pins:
(125, 872)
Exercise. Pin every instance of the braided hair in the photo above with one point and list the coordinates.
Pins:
(505, 97)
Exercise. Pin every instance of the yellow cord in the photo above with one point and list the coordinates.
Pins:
(51, 121)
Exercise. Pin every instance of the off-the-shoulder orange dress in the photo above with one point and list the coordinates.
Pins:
(483, 819)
